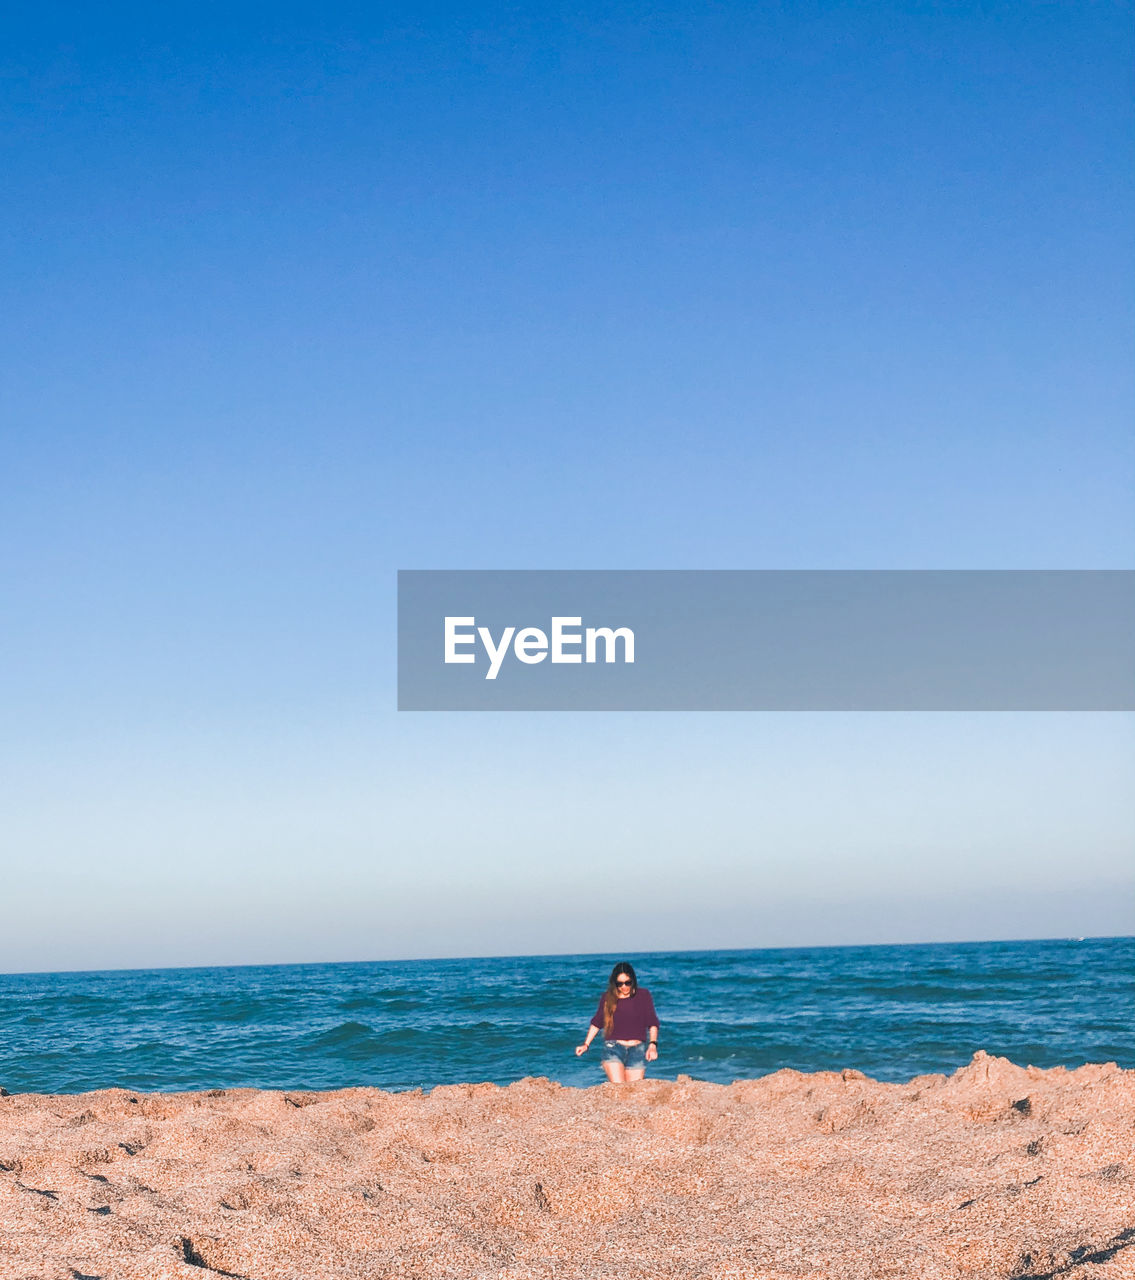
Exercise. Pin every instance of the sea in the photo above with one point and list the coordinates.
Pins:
(891, 1011)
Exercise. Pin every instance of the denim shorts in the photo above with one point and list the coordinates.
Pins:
(630, 1055)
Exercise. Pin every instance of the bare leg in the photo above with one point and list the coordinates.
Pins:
(635, 1073)
(616, 1072)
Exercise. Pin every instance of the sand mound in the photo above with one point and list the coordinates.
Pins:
(995, 1171)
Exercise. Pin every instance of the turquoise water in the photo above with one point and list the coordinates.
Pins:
(892, 1012)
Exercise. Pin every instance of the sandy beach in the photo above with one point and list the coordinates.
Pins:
(995, 1171)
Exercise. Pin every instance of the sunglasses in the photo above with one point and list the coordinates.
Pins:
(622, 983)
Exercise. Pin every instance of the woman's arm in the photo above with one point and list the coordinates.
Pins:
(592, 1031)
(652, 1031)
(652, 1045)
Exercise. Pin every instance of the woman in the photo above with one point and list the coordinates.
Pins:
(629, 1024)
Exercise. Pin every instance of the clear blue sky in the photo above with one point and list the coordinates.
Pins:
(295, 296)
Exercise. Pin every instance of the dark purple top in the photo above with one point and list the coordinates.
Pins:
(633, 1017)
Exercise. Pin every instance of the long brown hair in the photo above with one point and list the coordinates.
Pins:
(611, 995)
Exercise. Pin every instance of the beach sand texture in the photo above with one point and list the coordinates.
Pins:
(995, 1171)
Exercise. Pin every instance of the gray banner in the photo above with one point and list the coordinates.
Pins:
(766, 640)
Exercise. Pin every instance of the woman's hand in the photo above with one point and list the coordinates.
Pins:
(580, 1050)
(651, 1051)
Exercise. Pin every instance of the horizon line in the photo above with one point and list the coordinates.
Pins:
(562, 955)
